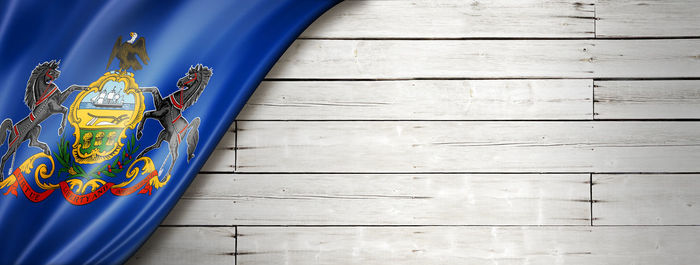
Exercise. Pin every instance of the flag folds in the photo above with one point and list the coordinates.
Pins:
(109, 109)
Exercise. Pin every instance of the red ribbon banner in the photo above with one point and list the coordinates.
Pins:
(79, 199)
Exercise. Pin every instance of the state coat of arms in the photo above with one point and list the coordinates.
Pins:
(108, 118)
(102, 113)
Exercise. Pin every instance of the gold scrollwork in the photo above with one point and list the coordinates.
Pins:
(41, 171)
(142, 166)
(77, 117)
(156, 183)
(8, 181)
(133, 170)
(79, 187)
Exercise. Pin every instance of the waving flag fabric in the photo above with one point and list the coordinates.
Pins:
(109, 109)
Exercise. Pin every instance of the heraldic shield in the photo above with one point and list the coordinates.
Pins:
(62, 100)
(104, 114)
(101, 115)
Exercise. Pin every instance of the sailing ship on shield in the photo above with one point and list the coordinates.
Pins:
(106, 154)
(99, 128)
(113, 99)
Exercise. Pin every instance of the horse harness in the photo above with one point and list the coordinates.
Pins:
(47, 94)
(180, 106)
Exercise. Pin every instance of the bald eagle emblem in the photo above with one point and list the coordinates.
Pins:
(109, 119)
(126, 53)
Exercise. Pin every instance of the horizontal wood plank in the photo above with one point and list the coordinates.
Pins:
(468, 245)
(404, 146)
(456, 19)
(646, 199)
(397, 59)
(644, 18)
(188, 245)
(568, 99)
(262, 199)
(659, 99)
(461, 218)
(223, 159)
(655, 58)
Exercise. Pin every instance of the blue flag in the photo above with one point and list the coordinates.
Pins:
(109, 109)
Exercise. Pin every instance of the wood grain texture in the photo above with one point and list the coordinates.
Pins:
(223, 158)
(468, 146)
(568, 99)
(646, 199)
(658, 99)
(366, 129)
(370, 59)
(468, 245)
(655, 58)
(434, 58)
(647, 18)
(188, 245)
(456, 19)
(245, 199)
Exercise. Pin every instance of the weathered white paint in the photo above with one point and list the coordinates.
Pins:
(456, 19)
(647, 18)
(468, 245)
(188, 245)
(370, 199)
(658, 99)
(434, 146)
(371, 59)
(568, 99)
(646, 199)
(367, 44)
(654, 58)
(224, 156)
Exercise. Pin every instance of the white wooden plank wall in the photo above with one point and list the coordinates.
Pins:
(461, 132)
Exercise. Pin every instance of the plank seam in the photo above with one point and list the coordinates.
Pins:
(421, 120)
(476, 79)
(235, 145)
(491, 120)
(454, 173)
(593, 114)
(595, 20)
(596, 37)
(235, 248)
(590, 183)
(390, 226)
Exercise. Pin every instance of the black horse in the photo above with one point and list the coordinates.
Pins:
(169, 113)
(43, 99)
